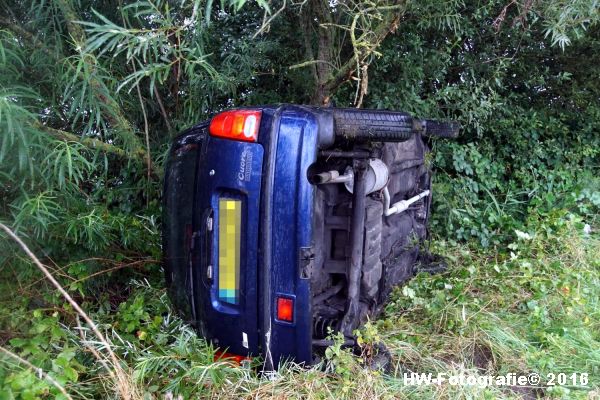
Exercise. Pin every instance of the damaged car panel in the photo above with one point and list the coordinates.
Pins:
(285, 223)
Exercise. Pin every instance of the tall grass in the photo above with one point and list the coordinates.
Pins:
(123, 384)
(529, 307)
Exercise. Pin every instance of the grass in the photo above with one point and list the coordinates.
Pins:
(532, 306)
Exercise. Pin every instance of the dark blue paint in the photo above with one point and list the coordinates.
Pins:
(223, 322)
(292, 229)
(277, 221)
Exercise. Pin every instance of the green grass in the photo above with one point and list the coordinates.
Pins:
(532, 306)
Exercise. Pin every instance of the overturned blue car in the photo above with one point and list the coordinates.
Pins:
(284, 223)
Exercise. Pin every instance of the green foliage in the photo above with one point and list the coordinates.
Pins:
(536, 301)
(529, 130)
(92, 93)
(565, 20)
(341, 360)
(531, 305)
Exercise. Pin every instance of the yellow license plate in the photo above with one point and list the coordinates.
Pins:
(230, 225)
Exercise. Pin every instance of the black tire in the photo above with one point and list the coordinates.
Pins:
(440, 129)
(372, 126)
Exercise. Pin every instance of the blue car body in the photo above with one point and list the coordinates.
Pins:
(269, 177)
(316, 243)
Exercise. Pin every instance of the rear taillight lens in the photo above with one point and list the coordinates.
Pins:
(285, 309)
(236, 124)
(234, 358)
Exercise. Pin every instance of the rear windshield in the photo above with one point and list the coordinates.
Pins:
(178, 199)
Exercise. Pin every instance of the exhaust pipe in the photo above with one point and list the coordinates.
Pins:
(400, 206)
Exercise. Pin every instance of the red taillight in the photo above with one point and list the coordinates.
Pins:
(285, 309)
(236, 124)
(234, 358)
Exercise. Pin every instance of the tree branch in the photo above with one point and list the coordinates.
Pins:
(92, 143)
(163, 111)
(121, 379)
(26, 35)
(114, 115)
(41, 373)
(388, 25)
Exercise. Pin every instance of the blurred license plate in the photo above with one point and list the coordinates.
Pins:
(230, 221)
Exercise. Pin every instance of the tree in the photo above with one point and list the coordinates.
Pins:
(92, 93)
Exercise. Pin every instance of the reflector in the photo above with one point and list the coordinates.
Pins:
(285, 309)
(234, 358)
(236, 124)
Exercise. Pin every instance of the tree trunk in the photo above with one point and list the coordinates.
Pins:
(328, 78)
(320, 11)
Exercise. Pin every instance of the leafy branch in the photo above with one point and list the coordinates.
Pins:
(88, 65)
(124, 386)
